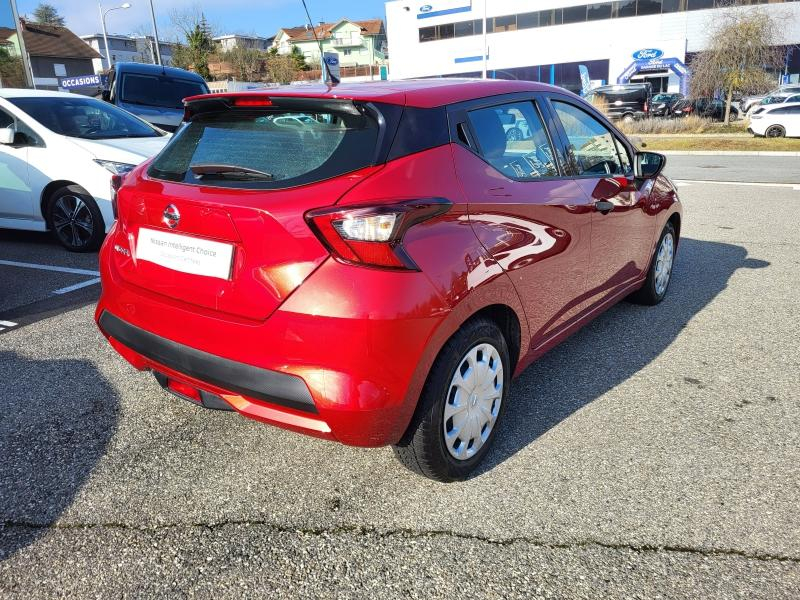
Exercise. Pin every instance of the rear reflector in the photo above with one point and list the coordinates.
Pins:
(184, 390)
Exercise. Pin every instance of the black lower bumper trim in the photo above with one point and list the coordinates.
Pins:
(254, 382)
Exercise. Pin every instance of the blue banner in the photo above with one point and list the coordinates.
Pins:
(78, 81)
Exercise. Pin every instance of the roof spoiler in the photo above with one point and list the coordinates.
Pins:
(204, 104)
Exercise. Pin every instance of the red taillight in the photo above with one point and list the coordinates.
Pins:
(373, 235)
(645, 107)
(116, 183)
(252, 102)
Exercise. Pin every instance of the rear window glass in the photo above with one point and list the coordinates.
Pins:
(267, 149)
(155, 90)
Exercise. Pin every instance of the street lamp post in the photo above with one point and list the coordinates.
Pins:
(103, 22)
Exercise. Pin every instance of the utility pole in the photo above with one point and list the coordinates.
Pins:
(155, 33)
(485, 47)
(27, 66)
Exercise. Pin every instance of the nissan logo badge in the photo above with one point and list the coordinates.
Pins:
(171, 216)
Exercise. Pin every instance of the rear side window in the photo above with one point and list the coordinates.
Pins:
(512, 138)
(153, 90)
(267, 149)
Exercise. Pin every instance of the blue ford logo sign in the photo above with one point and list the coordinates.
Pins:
(332, 60)
(425, 8)
(648, 54)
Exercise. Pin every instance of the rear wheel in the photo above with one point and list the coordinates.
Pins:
(75, 219)
(775, 131)
(660, 274)
(461, 405)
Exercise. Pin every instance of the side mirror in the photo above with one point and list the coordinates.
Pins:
(7, 135)
(106, 95)
(649, 165)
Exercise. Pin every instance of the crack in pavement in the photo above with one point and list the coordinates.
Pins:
(411, 534)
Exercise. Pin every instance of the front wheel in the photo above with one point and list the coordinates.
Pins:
(75, 219)
(660, 273)
(461, 405)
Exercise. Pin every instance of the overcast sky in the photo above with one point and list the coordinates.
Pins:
(261, 17)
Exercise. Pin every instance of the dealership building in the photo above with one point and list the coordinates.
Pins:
(548, 40)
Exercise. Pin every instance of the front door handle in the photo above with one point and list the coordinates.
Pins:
(604, 206)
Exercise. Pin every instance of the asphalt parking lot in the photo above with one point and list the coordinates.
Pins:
(655, 454)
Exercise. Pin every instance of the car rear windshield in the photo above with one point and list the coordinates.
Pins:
(267, 149)
(158, 90)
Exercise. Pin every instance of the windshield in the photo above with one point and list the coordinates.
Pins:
(158, 90)
(773, 100)
(82, 117)
(266, 149)
(662, 98)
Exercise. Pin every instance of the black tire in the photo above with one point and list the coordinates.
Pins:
(650, 294)
(423, 449)
(75, 220)
(775, 131)
(514, 134)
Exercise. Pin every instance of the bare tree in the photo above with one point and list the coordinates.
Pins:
(743, 46)
(281, 68)
(246, 62)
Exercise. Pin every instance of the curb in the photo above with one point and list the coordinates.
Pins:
(724, 153)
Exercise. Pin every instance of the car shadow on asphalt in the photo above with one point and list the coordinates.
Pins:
(613, 348)
(49, 443)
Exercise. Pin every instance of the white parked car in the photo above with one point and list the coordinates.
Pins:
(58, 153)
(776, 120)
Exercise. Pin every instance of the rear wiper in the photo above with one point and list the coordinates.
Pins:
(232, 171)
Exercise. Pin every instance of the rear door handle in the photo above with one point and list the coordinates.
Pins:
(604, 206)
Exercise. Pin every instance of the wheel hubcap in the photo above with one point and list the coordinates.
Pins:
(473, 401)
(72, 221)
(666, 252)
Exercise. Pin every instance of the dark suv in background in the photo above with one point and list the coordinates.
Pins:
(625, 102)
(152, 92)
(703, 107)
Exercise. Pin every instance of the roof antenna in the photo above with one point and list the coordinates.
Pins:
(326, 72)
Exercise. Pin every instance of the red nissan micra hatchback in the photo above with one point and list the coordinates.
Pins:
(373, 263)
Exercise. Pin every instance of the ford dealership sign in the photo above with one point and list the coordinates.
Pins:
(425, 8)
(648, 54)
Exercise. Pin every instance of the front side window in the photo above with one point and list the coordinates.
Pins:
(86, 118)
(593, 148)
(512, 138)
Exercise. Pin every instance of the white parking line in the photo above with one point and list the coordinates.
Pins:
(685, 182)
(77, 286)
(13, 263)
(7, 324)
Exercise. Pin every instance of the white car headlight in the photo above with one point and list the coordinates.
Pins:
(117, 168)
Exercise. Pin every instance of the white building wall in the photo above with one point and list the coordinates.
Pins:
(613, 39)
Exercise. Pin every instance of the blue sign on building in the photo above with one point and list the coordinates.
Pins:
(79, 81)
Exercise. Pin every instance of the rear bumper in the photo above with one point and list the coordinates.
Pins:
(344, 358)
(261, 384)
